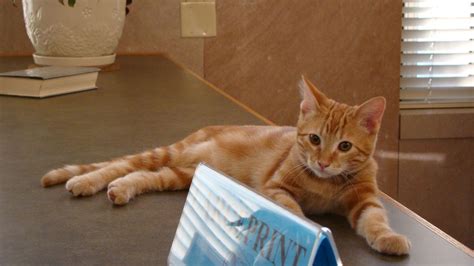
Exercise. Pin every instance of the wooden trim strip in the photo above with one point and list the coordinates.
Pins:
(223, 93)
(428, 225)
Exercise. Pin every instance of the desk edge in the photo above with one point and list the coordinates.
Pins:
(428, 225)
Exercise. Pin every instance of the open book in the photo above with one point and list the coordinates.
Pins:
(226, 223)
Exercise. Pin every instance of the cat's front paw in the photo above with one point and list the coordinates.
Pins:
(82, 186)
(119, 193)
(392, 244)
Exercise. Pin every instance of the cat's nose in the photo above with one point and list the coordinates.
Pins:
(323, 164)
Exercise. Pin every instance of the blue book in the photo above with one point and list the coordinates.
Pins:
(226, 223)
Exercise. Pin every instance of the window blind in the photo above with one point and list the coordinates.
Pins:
(437, 60)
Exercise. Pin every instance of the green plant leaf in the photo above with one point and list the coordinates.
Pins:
(71, 3)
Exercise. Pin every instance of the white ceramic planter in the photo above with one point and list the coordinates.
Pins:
(85, 35)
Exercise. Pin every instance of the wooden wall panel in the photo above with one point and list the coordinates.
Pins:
(437, 183)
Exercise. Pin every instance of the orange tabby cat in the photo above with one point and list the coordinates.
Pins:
(325, 164)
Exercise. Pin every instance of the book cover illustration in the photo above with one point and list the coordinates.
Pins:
(225, 223)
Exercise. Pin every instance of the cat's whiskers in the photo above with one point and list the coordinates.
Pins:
(358, 168)
(304, 169)
(299, 168)
(292, 171)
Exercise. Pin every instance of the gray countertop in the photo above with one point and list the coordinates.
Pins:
(149, 102)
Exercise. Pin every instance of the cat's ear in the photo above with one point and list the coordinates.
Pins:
(313, 99)
(370, 114)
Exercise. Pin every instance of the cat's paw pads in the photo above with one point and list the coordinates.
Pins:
(118, 193)
(392, 243)
(81, 186)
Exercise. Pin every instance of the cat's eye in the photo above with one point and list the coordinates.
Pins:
(344, 146)
(314, 139)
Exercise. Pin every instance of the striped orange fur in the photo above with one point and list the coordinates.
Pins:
(324, 164)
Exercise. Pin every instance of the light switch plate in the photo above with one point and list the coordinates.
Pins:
(198, 19)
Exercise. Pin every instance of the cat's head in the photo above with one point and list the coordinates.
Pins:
(335, 138)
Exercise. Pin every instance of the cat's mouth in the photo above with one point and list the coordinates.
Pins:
(324, 173)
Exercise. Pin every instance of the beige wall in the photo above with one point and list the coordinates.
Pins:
(153, 26)
(350, 49)
(13, 38)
